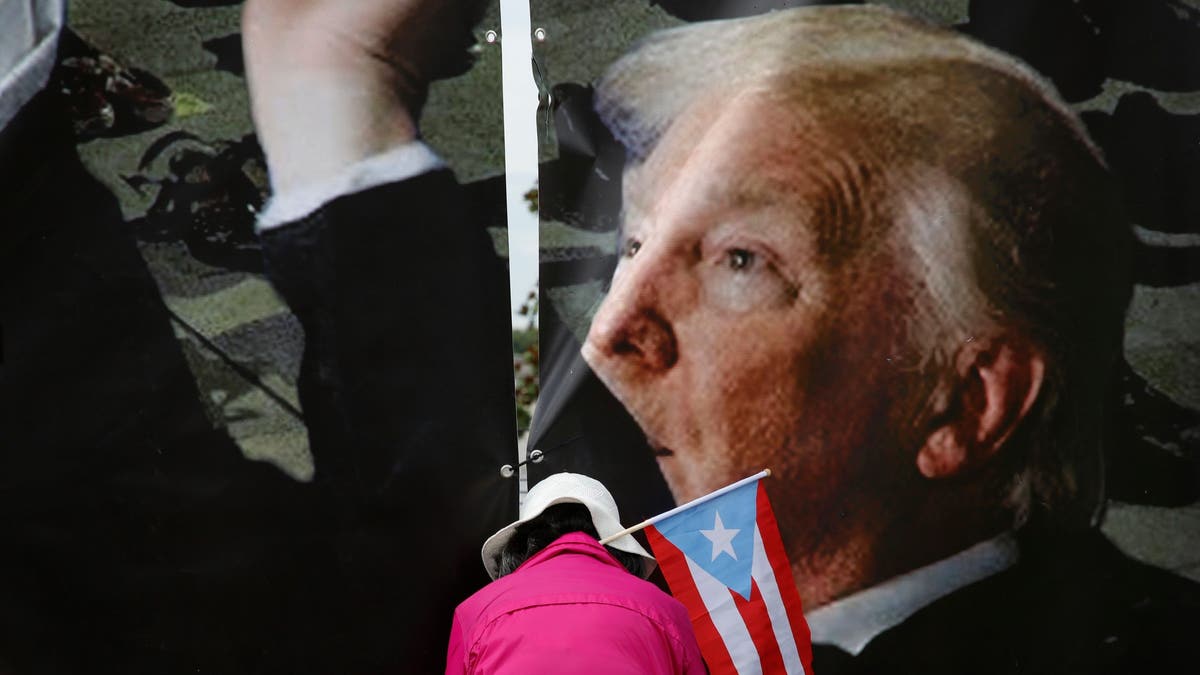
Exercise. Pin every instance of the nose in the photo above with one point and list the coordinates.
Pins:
(631, 328)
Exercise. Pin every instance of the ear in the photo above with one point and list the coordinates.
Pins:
(997, 384)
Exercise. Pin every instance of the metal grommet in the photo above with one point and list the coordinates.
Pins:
(490, 36)
(507, 471)
(539, 34)
(536, 456)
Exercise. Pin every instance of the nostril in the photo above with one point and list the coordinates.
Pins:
(650, 338)
(624, 347)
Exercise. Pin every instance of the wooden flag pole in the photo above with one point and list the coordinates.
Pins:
(698, 500)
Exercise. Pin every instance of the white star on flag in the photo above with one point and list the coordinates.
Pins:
(721, 538)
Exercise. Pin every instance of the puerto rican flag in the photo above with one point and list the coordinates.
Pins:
(724, 560)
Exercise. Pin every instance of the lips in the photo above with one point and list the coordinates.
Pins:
(658, 448)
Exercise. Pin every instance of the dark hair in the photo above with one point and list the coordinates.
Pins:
(544, 530)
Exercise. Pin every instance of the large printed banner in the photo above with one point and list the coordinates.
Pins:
(230, 451)
(934, 264)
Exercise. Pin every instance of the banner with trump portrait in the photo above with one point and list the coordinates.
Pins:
(934, 263)
(274, 359)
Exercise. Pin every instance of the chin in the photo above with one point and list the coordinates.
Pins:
(688, 480)
(683, 488)
(668, 466)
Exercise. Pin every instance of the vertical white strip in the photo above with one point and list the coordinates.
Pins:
(729, 623)
(520, 166)
(761, 570)
(28, 38)
(520, 149)
(16, 35)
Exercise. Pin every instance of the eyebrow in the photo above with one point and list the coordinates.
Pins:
(751, 194)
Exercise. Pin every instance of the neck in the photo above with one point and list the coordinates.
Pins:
(884, 543)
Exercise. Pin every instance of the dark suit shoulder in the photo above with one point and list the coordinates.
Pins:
(1073, 605)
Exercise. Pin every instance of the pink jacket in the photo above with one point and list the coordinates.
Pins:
(572, 608)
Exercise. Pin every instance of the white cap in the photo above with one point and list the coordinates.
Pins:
(568, 488)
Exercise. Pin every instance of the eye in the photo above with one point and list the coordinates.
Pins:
(739, 258)
(741, 278)
(630, 248)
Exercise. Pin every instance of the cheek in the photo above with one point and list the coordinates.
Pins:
(756, 363)
(773, 386)
(753, 384)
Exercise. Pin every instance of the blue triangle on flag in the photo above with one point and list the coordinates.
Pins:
(718, 536)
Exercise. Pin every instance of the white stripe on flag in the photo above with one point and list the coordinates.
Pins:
(767, 585)
(728, 620)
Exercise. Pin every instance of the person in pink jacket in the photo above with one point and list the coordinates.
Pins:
(562, 603)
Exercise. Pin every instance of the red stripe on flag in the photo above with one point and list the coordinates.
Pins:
(758, 622)
(773, 544)
(674, 568)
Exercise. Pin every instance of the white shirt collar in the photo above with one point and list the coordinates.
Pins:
(391, 166)
(852, 622)
(28, 44)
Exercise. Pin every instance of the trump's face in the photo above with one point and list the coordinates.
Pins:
(732, 333)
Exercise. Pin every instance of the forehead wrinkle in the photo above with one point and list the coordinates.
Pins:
(649, 183)
(761, 152)
(726, 154)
